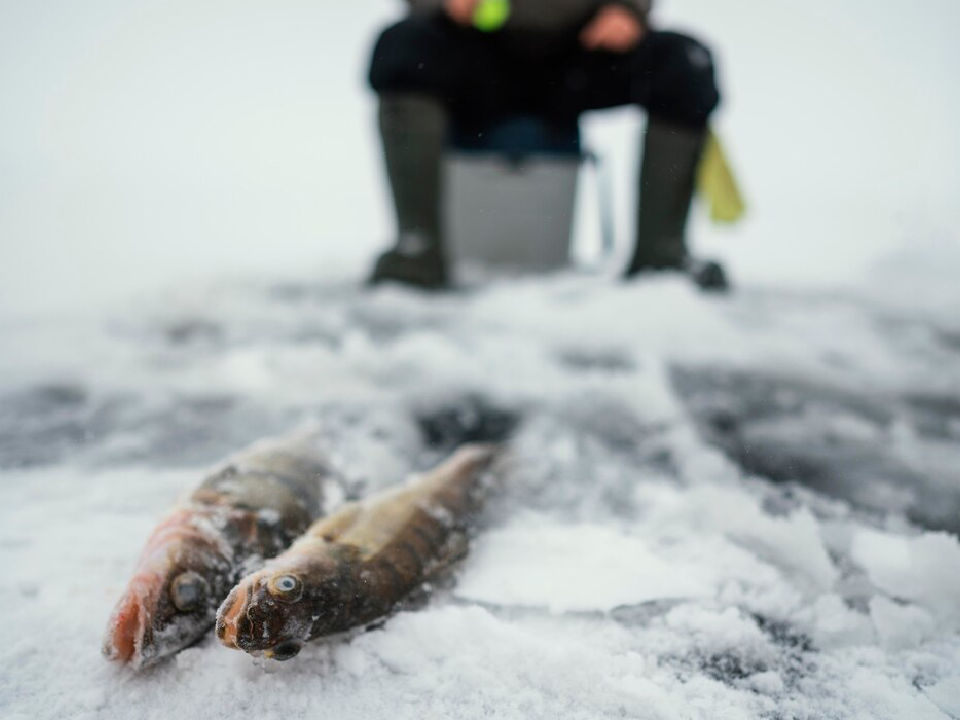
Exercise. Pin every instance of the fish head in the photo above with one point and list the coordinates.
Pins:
(170, 603)
(274, 611)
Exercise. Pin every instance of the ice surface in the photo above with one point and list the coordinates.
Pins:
(916, 569)
(631, 565)
(611, 568)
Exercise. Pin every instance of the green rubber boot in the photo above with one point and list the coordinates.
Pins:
(668, 172)
(413, 130)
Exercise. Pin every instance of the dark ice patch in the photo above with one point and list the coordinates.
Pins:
(829, 439)
(190, 430)
(784, 635)
(936, 416)
(948, 339)
(730, 667)
(48, 423)
(471, 418)
(790, 653)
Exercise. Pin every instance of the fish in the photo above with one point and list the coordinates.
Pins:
(356, 565)
(248, 510)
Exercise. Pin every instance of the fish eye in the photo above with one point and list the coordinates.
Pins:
(285, 587)
(188, 591)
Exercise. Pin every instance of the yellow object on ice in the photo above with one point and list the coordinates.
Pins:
(717, 185)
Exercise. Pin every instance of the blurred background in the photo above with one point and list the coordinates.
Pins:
(148, 142)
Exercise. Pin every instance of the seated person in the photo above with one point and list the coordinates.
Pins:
(551, 58)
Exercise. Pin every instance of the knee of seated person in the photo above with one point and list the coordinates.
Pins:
(689, 77)
(399, 53)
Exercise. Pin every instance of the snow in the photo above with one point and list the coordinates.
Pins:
(911, 568)
(946, 695)
(613, 568)
(628, 566)
(722, 508)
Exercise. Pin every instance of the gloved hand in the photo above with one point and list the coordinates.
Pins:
(614, 29)
(461, 11)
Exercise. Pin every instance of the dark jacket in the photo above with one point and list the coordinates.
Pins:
(549, 16)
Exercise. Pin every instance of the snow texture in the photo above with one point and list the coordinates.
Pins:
(630, 566)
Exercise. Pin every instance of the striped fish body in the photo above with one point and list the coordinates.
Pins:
(354, 566)
(247, 511)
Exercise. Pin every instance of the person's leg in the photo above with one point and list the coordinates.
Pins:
(412, 132)
(679, 97)
(423, 69)
(668, 168)
(672, 77)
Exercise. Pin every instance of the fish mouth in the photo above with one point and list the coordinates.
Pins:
(128, 630)
(145, 626)
(242, 624)
(230, 615)
(133, 636)
(249, 621)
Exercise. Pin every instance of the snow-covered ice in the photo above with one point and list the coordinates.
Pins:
(633, 565)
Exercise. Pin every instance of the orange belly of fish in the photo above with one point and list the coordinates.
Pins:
(228, 624)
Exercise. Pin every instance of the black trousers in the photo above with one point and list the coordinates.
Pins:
(481, 77)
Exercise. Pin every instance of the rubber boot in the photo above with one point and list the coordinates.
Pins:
(413, 130)
(671, 155)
